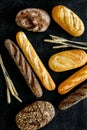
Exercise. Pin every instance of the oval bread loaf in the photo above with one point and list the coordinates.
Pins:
(35, 116)
(67, 60)
(68, 20)
(33, 19)
(74, 80)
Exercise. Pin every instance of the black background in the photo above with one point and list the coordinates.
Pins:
(74, 118)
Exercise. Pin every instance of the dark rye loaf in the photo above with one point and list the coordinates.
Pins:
(74, 98)
(35, 116)
(24, 67)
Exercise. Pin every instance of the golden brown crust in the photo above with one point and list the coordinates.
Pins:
(67, 60)
(68, 20)
(74, 80)
(35, 61)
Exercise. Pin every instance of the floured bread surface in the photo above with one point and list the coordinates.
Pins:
(67, 60)
(35, 116)
(68, 20)
(33, 19)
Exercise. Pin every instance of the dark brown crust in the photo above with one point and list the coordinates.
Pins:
(74, 98)
(35, 116)
(24, 68)
(33, 19)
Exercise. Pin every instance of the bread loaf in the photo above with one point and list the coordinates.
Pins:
(67, 60)
(68, 20)
(33, 19)
(74, 98)
(35, 61)
(74, 80)
(24, 67)
(35, 115)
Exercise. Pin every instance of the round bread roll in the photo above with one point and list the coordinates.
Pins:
(68, 20)
(33, 19)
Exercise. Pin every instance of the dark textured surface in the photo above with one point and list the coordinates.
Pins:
(74, 118)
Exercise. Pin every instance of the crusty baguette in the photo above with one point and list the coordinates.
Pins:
(24, 67)
(35, 61)
(74, 98)
(67, 60)
(68, 20)
(74, 80)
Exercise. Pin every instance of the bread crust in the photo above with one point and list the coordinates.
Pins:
(74, 98)
(35, 61)
(33, 19)
(24, 68)
(67, 60)
(74, 80)
(68, 20)
(35, 115)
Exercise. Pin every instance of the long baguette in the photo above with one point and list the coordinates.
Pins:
(24, 67)
(74, 80)
(74, 98)
(35, 61)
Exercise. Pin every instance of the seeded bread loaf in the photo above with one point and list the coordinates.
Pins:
(35, 115)
(24, 67)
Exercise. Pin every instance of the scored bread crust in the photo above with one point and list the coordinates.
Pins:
(35, 61)
(74, 98)
(74, 80)
(67, 60)
(35, 116)
(68, 20)
(24, 67)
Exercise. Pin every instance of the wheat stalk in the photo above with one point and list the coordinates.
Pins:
(63, 43)
(10, 86)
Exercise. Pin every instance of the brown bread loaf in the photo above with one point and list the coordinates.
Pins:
(35, 116)
(68, 20)
(24, 67)
(35, 61)
(33, 19)
(74, 98)
(74, 80)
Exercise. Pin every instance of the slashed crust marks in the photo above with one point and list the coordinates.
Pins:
(24, 68)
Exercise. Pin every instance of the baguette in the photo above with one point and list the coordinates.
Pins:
(24, 68)
(67, 60)
(74, 80)
(68, 20)
(35, 61)
(74, 98)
